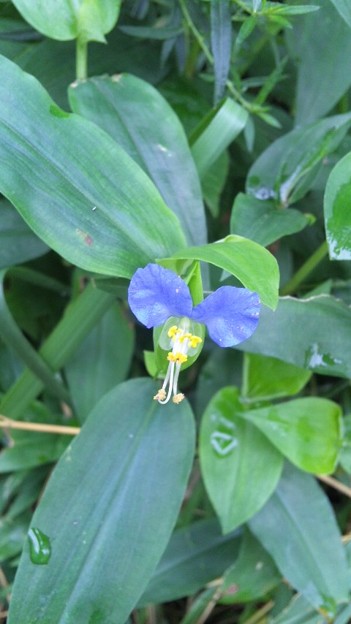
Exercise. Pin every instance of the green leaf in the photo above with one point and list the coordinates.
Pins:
(261, 220)
(311, 341)
(12, 336)
(195, 555)
(221, 44)
(323, 76)
(298, 528)
(140, 120)
(75, 187)
(17, 242)
(213, 183)
(344, 9)
(286, 169)
(240, 467)
(79, 318)
(101, 361)
(105, 508)
(307, 431)
(268, 378)
(216, 133)
(252, 576)
(298, 611)
(64, 20)
(253, 265)
(337, 210)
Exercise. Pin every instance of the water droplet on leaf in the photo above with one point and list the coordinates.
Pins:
(39, 546)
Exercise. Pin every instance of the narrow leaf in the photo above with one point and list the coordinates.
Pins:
(221, 44)
(140, 120)
(216, 133)
(101, 361)
(280, 172)
(195, 555)
(91, 516)
(299, 530)
(75, 187)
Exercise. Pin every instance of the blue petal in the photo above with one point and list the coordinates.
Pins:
(156, 293)
(231, 315)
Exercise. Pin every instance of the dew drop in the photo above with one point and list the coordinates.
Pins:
(39, 546)
(223, 443)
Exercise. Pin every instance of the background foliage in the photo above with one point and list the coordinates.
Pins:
(183, 132)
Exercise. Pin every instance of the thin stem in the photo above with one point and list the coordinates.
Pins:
(81, 59)
(198, 36)
(305, 270)
(259, 615)
(337, 485)
(8, 423)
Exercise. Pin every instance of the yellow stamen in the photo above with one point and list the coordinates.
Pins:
(195, 341)
(172, 331)
(178, 398)
(181, 341)
(160, 395)
(180, 358)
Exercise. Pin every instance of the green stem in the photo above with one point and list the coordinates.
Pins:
(81, 59)
(307, 268)
(198, 36)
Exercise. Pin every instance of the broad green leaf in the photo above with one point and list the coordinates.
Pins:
(286, 169)
(240, 467)
(311, 333)
(75, 187)
(221, 44)
(298, 528)
(337, 210)
(89, 20)
(101, 361)
(17, 242)
(262, 221)
(267, 378)
(252, 264)
(106, 508)
(322, 77)
(252, 576)
(307, 431)
(216, 133)
(195, 555)
(141, 121)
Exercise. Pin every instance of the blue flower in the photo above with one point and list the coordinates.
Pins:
(157, 296)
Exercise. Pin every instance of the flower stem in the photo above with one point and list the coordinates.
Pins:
(292, 285)
(81, 59)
